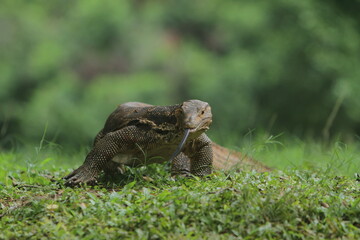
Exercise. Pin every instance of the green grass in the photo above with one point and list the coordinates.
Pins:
(313, 195)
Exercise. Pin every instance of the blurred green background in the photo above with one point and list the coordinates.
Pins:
(276, 66)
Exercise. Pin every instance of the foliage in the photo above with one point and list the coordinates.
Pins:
(278, 66)
(292, 205)
(145, 203)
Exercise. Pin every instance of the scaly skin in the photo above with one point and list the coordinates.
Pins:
(136, 134)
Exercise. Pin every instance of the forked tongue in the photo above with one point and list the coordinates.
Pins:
(181, 144)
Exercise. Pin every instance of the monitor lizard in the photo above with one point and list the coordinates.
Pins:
(137, 134)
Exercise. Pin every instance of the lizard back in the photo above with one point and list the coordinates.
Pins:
(161, 119)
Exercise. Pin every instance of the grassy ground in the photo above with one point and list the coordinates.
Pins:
(313, 195)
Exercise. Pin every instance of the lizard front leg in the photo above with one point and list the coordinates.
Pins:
(104, 150)
(180, 165)
(201, 156)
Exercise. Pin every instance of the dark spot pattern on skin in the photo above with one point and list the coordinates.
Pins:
(160, 115)
(133, 123)
(162, 132)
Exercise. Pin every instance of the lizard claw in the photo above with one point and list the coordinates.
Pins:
(80, 176)
(181, 175)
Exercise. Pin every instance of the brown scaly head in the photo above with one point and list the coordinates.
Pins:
(195, 117)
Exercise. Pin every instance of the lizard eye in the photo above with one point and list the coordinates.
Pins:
(202, 112)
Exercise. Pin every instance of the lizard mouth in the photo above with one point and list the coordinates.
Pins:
(198, 128)
(203, 125)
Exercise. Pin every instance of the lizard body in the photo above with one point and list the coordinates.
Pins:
(137, 134)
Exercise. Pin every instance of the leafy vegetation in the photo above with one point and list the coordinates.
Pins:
(279, 65)
(146, 203)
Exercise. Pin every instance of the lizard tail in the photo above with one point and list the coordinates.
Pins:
(226, 159)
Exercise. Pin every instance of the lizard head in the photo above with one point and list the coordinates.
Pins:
(197, 115)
